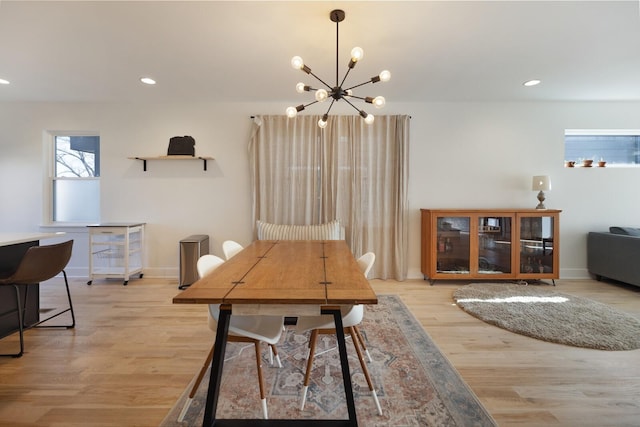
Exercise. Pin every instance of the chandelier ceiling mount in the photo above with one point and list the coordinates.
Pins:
(337, 91)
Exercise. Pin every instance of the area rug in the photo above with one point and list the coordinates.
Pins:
(539, 312)
(416, 384)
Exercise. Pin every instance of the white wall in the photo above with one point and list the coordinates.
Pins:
(463, 155)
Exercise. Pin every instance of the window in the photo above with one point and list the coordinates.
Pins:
(618, 148)
(73, 187)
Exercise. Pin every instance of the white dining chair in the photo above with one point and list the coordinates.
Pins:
(250, 329)
(351, 317)
(231, 248)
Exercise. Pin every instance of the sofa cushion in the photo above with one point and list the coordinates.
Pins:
(629, 231)
(328, 231)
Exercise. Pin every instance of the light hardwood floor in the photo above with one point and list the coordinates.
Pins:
(133, 353)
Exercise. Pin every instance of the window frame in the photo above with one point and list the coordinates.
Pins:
(49, 178)
(603, 132)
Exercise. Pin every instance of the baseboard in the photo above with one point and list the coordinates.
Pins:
(413, 274)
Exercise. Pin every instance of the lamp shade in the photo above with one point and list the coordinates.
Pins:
(541, 183)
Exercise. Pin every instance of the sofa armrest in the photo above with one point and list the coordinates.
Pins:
(615, 256)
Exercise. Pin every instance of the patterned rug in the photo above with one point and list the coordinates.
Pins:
(416, 384)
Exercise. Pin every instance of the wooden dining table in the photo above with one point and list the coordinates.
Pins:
(285, 277)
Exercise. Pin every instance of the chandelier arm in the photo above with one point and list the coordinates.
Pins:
(358, 85)
(330, 105)
(354, 107)
(357, 97)
(345, 76)
(321, 81)
(311, 103)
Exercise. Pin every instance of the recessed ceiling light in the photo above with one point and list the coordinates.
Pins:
(4, 82)
(148, 81)
(532, 83)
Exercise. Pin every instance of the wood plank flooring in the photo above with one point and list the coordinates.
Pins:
(133, 353)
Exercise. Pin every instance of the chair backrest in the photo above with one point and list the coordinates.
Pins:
(365, 262)
(207, 263)
(230, 248)
(41, 263)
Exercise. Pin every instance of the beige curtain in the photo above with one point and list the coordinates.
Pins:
(349, 171)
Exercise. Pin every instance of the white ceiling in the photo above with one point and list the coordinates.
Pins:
(88, 51)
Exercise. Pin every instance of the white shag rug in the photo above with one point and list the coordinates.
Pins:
(542, 313)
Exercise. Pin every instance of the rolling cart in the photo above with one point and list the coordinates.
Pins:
(116, 251)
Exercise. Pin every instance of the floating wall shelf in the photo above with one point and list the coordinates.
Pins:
(144, 159)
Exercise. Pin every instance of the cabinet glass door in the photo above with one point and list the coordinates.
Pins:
(494, 245)
(536, 245)
(452, 245)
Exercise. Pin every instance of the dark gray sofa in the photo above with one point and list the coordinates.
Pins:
(615, 255)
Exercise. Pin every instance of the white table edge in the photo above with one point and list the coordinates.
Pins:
(7, 239)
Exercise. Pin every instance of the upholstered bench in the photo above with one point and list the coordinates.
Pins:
(329, 231)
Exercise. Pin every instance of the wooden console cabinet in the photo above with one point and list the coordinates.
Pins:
(520, 244)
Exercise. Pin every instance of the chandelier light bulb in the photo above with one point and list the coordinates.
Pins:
(322, 123)
(379, 101)
(369, 119)
(348, 93)
(356, 54)
(385, 75)
(321, 95)
(291, 112)
(300, 87)
(297, 63)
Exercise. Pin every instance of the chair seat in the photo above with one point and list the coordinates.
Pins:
(263, 328)
(351, 316)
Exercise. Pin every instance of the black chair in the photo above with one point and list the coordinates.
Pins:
(38, 264)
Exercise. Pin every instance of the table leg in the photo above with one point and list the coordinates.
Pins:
(216, 366)
(216, 374)
(344, 363)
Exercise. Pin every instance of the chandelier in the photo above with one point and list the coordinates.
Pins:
(337, 92)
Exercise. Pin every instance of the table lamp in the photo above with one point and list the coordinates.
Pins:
(541, 183)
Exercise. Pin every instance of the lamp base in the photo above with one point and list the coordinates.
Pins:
(541, 201)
